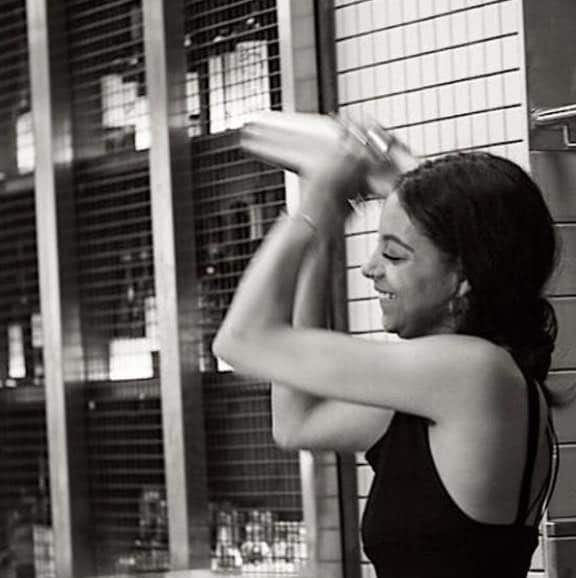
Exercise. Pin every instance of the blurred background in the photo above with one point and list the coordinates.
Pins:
(128, 213)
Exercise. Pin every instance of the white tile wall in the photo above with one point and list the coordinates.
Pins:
(445, 75)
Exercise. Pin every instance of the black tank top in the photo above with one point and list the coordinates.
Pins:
(411, 526)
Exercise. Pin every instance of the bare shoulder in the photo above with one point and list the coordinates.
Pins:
(492, 374)
(479, 359)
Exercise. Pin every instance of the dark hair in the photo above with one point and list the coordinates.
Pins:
(486, 214)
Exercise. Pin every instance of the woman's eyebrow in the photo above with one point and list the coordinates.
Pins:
(395, 239)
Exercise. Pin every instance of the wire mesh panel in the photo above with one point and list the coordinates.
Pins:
(233, 62)
(108, 77)
(116, 286)
(24, 492)
(235, 202)
(21, 333)
(16, 139)
(126, 472)
(116, 270)
(254, 487)
(25, 533)
(233, 71)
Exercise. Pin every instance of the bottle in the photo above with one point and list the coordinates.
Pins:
(43, 534)
(37, 352)
(42, 507)
(226, 553)
(20, 536)
(255, 551)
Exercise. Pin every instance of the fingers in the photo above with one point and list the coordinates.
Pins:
(293, 141)
(306, 143)
(270, 146)
(276, 144)
(385, 144)
(297, 126)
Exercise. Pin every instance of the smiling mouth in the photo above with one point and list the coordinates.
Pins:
(386, 295)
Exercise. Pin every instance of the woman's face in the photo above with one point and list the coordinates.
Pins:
(413, 279)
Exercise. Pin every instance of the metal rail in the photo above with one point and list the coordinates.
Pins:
(557, 117)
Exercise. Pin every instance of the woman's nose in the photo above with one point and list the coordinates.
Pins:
(370, 268)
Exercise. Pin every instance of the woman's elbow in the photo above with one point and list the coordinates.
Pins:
(285, 439)
(224, 345)
(288, 435)
(219, 345)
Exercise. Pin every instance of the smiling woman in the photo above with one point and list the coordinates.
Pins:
(415, 281)
(466, 246)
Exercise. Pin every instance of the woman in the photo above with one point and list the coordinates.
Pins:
(453, 417)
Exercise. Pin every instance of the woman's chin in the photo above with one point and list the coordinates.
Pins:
(388, 324)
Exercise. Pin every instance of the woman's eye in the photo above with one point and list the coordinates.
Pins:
(392, 258)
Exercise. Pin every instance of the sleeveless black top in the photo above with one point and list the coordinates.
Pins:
(411, 526)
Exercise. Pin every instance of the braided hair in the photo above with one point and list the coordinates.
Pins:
(488, 216)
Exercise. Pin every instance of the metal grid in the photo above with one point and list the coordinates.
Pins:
(24, 484)
(233, 62)
(19, 296)
(24, 492)
(116, 270)
(233, 72)
(123, 416)
(116, 286)
(236, 200)
(126, 474)
(108, 76)
(16, 140)
(245, 466)
(21, 332)
(254, 488)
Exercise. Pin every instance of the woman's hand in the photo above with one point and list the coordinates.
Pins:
(305, 143)
(293, 141)
(336, 160)
(381, 175)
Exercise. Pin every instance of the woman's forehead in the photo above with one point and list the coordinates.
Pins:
(394, 220)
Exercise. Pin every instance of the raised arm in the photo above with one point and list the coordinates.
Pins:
(291, 407)
(305, 421)
(425, 376)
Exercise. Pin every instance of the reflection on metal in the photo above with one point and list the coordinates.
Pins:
(549, 29)
(553, 116)
(176, 287)
(55, 224)
(565, 527)
(558, 117)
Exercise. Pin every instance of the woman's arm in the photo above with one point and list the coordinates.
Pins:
(429, 376)
(291, 407)
(304, 421)
(433, 376)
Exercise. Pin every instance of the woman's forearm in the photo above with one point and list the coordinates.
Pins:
(286, 285)
(290, 406)
(264, 298)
